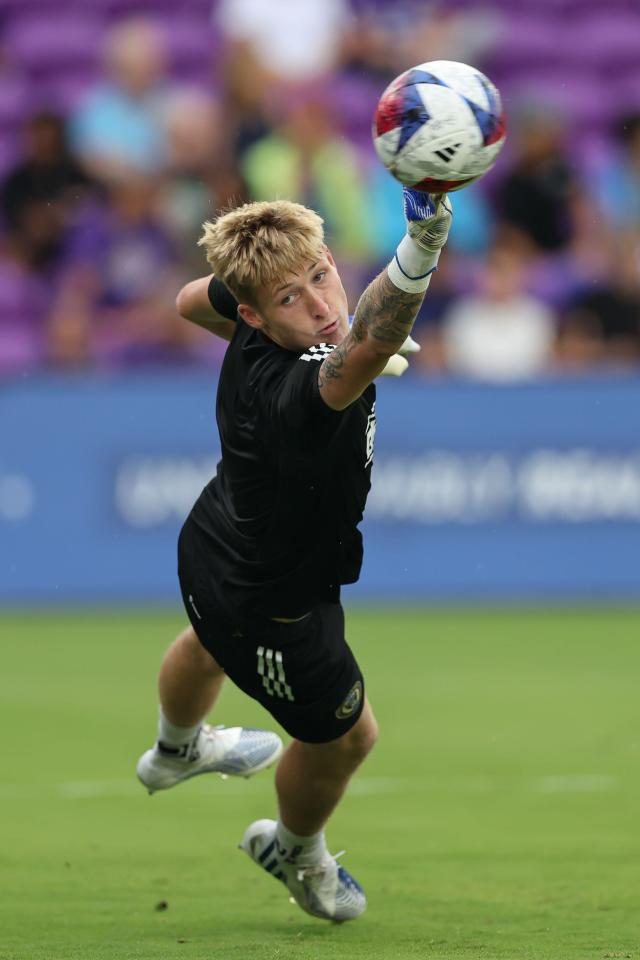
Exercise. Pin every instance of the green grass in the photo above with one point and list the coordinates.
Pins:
(498, 817)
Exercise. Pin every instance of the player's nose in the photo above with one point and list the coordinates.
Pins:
(318, 306)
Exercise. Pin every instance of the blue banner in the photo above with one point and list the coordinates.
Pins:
(518, 493)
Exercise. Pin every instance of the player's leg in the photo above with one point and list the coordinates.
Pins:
(312, 777)
(310, 780)
(191, 676)
(189, 683)
(312, 684)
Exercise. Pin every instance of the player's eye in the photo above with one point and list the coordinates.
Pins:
(319, 276)
(287, 300)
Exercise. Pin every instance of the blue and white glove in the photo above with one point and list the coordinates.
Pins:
(428, 220)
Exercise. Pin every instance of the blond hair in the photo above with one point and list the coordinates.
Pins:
(259, 243)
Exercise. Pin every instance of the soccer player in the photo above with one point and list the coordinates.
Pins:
(272, 537)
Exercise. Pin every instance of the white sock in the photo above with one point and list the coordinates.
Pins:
(300, 849)
(173, 736)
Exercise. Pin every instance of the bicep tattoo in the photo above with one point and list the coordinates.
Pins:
(331, 367)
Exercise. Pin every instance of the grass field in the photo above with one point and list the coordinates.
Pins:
(498, 817)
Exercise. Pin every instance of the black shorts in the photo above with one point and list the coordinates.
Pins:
(304, 673)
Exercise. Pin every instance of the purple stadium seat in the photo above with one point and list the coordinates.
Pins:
(65, 90)
(9, 152)
(626, 93)
(579, 97)
(125, 8)
(45, 45)
(610, 41)
(592, 150)
(157, 8)
(9, 8)
(13, 103)
(527, 41)
(22, 305)
(193, 43)
(355, 99)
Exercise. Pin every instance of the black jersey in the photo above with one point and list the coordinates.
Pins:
(280, 518)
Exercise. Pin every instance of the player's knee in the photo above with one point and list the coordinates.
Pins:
(361, 739)
(369, 735)
(189, 642)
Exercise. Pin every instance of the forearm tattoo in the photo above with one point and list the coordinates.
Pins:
(385, 312)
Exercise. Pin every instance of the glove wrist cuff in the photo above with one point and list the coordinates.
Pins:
(412, 266)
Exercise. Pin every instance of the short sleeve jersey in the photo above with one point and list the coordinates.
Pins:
(280, 518)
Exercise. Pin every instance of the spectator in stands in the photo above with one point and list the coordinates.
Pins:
(116, 299)
(500, 333)
(619, 180)
(118, 127)
(264, 136)
(389, 37)
(39, 198)
(40, 194)
(291, 42)
(199, 178)
(294, 44)
(534, 197)
(305, 159)
(602, 323)
(438, 31)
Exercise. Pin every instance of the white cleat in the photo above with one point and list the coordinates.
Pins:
(230, 751)
(324, 890)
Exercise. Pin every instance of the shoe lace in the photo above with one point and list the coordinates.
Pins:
(315, 869)
(193, 752)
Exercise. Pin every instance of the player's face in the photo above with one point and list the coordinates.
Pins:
(305, 308)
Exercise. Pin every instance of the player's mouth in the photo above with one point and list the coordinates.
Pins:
(329, 329)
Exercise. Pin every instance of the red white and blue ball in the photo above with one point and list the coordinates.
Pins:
(439, 126)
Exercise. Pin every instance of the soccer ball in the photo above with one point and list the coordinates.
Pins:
(439, 126)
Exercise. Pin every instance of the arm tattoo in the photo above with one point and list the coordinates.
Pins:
(331, 366)
(385, 312)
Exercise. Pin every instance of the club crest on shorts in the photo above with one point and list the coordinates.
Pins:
(351, 702)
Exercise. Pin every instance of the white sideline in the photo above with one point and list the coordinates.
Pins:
(360, 786)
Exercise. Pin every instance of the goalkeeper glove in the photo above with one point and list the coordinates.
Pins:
(408, 347)
(395, 366)
(428, 220)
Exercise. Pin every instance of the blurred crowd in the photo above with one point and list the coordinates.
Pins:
(124, 125)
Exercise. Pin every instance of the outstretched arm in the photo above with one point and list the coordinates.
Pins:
(383, 320)
(388, 307)
(193, 304)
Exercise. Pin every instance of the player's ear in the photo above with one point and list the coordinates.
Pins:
(250, 315)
